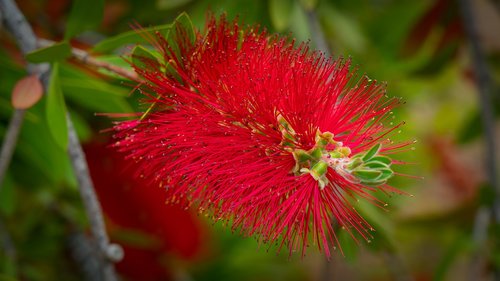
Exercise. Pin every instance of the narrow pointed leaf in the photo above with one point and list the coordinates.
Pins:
(372, 152)
(130, 37)
(366, 175)
(182, 32)
(183, 22)
(375, 165)
(56, 52)
(55, 109)
(385, 175)
(144, 59)
(91, 93)
(384, 159)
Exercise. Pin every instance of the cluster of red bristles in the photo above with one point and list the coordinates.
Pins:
(227, 127)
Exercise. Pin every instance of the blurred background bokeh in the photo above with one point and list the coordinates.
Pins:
(420, 48)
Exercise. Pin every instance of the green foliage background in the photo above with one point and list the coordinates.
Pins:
(418, 47)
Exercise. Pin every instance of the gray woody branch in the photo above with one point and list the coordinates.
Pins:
(484, 83)
(17, 25)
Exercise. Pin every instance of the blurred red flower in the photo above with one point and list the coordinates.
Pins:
(260, 132)
(138, 218)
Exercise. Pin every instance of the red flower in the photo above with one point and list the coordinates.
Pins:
(262, 133)
(138, 219)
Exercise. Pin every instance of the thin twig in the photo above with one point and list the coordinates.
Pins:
(479, 236)
(91, 203)
(83, 252)
(19, 27)
(23, 35)
(14, 21)
(15, 124)
(85, 58)
(483, 79)
(9, 142)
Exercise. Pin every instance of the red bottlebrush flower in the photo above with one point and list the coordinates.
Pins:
(259, 132)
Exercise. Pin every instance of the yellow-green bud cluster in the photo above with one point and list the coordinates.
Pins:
(369, 168)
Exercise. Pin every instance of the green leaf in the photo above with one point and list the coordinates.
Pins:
(385, 175)
(184, 23)
(375, 165)
(355, 163)
(280, 12)
(143, 58)
(370, 153)
(170, 70)
(57, 52)
(367, 175)
(37, 148)
(93, 94)
(129, 37)
(320, 168)
(182, 31)
(84, 15)
(55, 109)
(384, 159)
